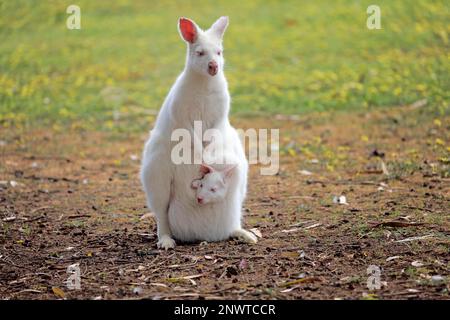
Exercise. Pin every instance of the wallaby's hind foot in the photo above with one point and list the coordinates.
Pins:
(245, 236)
(166, 242)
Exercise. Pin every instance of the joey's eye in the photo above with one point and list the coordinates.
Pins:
(201, 185)
(219, 53)
(200, 53)
(213, 189)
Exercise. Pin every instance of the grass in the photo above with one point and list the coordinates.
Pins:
(282, 57)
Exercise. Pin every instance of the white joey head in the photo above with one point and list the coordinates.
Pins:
(213, 186)
(205, 51)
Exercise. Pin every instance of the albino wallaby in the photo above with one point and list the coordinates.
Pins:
(200, 93)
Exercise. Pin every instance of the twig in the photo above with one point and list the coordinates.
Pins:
(415, 238)
(417, 208)
(34, 219)
(46, 158)
(395, 223)
(28, 290)
(39, 209)
(345, 182)
(79, 216)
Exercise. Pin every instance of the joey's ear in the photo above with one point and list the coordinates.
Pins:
(205, 169)
(188, 30)
(228, 171)
(218, 28)
(195, 184)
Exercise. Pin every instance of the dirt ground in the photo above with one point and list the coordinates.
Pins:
(75, 197)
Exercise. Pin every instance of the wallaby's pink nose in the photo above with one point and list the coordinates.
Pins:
(199, 199)
(213, 68)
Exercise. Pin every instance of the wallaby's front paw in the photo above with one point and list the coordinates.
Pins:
(166, 243)
(245, 236)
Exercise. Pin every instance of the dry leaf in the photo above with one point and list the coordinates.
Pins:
(193, 282)
(149, 215)
(392, 258)
(417, 264)
(256, 232)
(419, 104)
(58, 292)
(290, 254)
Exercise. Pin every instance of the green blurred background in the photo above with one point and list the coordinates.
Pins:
(282, 57)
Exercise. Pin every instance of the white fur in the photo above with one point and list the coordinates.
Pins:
(213, 186)
(196, 95)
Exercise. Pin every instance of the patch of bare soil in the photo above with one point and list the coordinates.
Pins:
(75, 197)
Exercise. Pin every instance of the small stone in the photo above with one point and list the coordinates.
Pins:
(417, 264)
(437, 279)
(340, 200)
(137, 290)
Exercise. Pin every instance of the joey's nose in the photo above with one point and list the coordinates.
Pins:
(200, 200)
(213, 68)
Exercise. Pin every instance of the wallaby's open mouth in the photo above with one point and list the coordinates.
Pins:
(213, 68)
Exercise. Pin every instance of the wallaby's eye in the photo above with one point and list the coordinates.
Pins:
(219, 53)
(201, 185)
(213, 189)
(200, 53)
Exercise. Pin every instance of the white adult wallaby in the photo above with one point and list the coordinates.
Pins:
(200, 93)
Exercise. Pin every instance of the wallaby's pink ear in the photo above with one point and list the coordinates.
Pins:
(205, 169)
(228, 171)
(219, 27)
(195, 184)
(188, 30)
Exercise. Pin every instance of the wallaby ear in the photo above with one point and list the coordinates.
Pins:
(229, 169)
(195, 184)
(218, 28)
(188, 30)
(205, 169)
